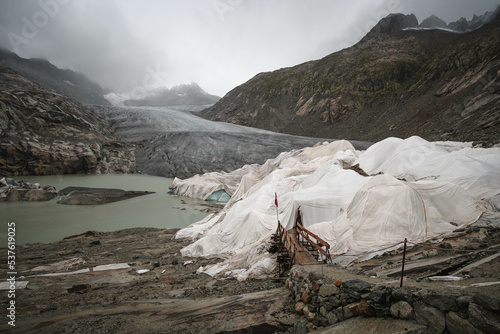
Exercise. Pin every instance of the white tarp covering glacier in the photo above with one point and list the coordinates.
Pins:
(417, 190)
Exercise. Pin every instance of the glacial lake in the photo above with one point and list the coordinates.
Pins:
(49, 221)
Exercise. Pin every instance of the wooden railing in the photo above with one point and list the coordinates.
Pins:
(287, 240)
(318, 245)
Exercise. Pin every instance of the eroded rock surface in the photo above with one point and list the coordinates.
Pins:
(42, 132)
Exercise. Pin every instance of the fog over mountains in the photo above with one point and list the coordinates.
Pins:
(131, 46)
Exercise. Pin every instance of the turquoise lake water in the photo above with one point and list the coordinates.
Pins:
(49, 221)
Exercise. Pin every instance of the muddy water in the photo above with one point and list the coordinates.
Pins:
(49, 221)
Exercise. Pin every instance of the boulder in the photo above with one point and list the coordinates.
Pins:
(306, 297)
(485, 320)
(299, 306)
(308, 313)
(320, 320)
(331, 303)
(441, 301)
(38, 195)
(456, 325)
(327, 290)
(14, 195)
(332, 318)
(401, 310)
(378, 295)
(300, 327)
(430, 316)
(463, 302)
(345, 312)
(357, 285)
(487, 302)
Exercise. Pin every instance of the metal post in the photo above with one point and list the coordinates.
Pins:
(403, 266)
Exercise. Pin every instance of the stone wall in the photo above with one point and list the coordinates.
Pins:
(324, 301)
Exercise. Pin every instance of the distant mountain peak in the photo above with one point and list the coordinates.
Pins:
(393, 23)
(183, 94)
(462, 25)
(433, 22)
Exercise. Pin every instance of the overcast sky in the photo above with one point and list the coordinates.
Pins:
(132, 45)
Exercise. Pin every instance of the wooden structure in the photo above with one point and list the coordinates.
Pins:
(299, 246)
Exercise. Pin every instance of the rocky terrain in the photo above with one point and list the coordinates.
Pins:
(65, 82)
(136, 281)
(45, 133)
(42, 133)
(14, 191)
(191, 94)
(399, 80)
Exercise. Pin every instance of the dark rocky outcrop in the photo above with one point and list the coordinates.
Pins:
(15, 191)
(42, 132)
(433, 83)
(96, 196)
(65, 82)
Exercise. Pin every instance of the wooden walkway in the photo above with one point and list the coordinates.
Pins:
(302, 254)
(299, 246)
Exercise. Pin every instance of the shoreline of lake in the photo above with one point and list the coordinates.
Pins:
(48, 221)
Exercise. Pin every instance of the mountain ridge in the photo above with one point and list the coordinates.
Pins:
(43, 132)
(63, 81)
(461, 25)
(433, 83)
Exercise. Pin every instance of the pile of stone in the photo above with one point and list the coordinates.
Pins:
(15, 191)
(323, 302)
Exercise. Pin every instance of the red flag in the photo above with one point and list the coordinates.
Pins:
(276, 199)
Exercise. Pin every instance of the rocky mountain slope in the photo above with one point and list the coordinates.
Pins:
(42, 132)
(191, 94)
(396, 81)
(66, 82)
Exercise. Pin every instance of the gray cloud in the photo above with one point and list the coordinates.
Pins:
(131, 45)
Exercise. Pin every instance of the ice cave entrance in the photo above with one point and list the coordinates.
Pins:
(219, 196)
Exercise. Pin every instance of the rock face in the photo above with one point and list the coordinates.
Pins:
(435, 84)
(42, 133)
